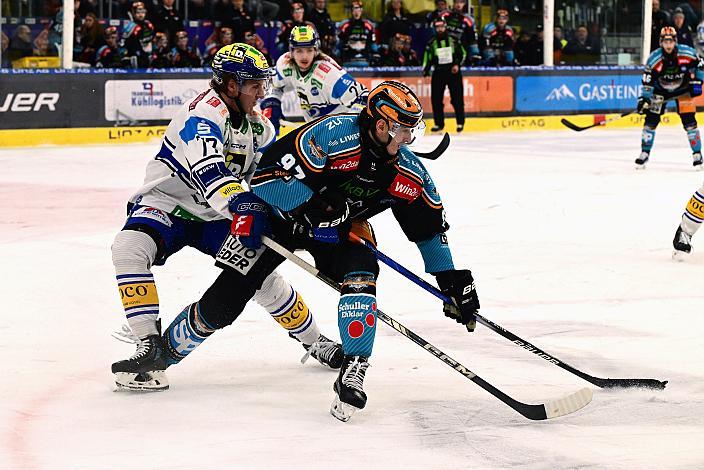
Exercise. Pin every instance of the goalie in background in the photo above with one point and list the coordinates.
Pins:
(672, 72)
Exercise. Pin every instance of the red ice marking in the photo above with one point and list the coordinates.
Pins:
(369, 320)
(355, 329)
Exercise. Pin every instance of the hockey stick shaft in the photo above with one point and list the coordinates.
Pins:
(598, 381)
(577, 128)
(550, 409)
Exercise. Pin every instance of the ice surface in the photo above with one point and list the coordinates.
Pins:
(570, 248)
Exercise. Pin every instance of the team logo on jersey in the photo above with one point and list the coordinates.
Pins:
(214, 102)
(257, 128)
(314, 91)
(404, 188)
(347, 164)
(153, 214)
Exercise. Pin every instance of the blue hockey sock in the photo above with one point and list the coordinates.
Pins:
(647, 138)
(695, 140)
(185, 333)
(357, 314)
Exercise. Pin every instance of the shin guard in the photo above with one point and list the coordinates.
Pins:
(647, 139)
(357, 313)
(185, 333)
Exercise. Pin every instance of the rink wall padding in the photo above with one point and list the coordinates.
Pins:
(113, 105)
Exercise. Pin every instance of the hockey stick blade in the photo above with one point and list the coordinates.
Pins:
(598, 381)
(577, 128)
(439, 150)
(548, 410)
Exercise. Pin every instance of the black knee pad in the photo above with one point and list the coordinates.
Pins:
(652, 120)
(689, 121)
(225, 299)
(359, 282)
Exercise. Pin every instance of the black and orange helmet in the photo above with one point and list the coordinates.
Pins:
(396, 103)
(668, 32)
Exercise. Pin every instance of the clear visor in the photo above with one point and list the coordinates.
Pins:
(257, 88)
(404, 135)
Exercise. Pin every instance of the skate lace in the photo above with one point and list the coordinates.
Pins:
(143, 347)
(685, 237)
(354, 375)
(125, 335)
(323, 349)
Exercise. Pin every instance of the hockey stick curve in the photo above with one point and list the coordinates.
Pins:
(598, 381)
(547, 410)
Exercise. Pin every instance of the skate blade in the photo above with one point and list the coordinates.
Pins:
(679, 256)
(699, 167)
(156, 381)
(341, 410)
(640, 167)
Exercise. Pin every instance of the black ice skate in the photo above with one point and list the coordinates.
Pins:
(697, 161)
(642, 160)
(436, 128)
(460, 128)
(349, 392)
(682, 244)
(324, 350)
(144, 371)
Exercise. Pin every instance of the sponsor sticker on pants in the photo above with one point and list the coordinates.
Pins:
(234, 255)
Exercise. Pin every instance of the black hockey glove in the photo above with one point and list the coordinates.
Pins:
(643, 105)
(695, 87)
(327, 217)
(459, 286)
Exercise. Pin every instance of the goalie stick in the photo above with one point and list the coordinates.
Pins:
(547, 410)
(577, 128)
(598, 381)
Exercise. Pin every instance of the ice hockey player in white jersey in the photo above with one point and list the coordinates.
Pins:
(321, 85)
(208, 154)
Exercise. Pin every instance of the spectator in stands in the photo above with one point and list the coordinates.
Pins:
(445, 56)
(54, 38)
(234, 15)
(90, 39)
(167, 19)
(325, 26)
(220, 38)
(137, 37)
(297, 19)
(440, 9)
(523, 50)
(200, 9)
(161, 58)
(253, 39)
(357, 40)
(111, 55)
(20, 44)
(183, 55)
(497, 41)
(394, 21)
(559, 43)
(399, 53)
(461, 28)
(263, 10)
(582, 50)
(684, 33)
(4, 45)
(661, 18)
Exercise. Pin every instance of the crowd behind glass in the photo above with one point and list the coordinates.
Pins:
(154, 33)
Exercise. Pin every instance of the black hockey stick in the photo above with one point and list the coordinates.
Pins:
(439, 150)
(549, 409)
(577, 128)
(598, 381)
